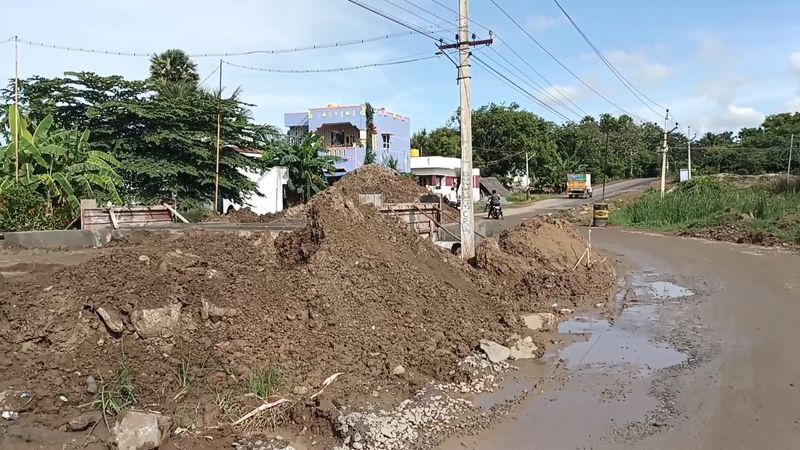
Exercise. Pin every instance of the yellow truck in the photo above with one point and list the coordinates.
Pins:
(579, 185)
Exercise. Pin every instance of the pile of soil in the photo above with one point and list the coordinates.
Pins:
(375, 179)
(244, 215)
(354, 292)
(535, 261)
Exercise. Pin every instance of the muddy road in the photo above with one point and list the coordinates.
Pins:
(701, 356)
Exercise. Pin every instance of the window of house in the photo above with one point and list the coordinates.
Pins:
(449, 181)
(386, 137)
(337, 138)
(349, 139)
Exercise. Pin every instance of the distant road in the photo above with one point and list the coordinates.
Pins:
(515, 216)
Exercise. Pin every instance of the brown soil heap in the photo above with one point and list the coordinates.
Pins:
(354, 292)
(535, 261)
(243, 215)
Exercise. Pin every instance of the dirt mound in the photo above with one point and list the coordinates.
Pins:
(355, 292)
(244, 215)
(536, 259)
(736, 233)
(375, 179)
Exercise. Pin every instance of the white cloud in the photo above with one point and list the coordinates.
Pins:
(713, 51)
(723, 87)
(555, 95)
(640, 65)
(543, 23)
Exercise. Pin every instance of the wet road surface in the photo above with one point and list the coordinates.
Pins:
(702, 356)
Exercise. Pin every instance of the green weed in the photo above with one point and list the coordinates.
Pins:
(264, 382)
(707, 203)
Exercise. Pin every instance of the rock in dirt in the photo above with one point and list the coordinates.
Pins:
(494, 351)
(91, 385)
(111, 320)
(536, 322)
(140, 431)
(10, 415)
(212, 312)
(158, 322)
(399, 370)
(84, 421)
(524, 349)
(565, 311)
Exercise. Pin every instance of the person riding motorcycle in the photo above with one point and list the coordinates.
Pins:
(493, 202)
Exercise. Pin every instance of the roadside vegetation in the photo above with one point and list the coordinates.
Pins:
(705, 203)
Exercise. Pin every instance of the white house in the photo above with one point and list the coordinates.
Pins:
(441, 175)
(269, 183)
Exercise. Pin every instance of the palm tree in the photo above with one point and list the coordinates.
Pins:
(58, 164)
(174, 73)
(307, 166)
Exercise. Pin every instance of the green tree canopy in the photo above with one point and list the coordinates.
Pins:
(167, 146)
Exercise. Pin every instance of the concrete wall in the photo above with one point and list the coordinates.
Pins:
(270, 185)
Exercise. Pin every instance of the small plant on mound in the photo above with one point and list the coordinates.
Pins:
(264, 382)
(118, 394)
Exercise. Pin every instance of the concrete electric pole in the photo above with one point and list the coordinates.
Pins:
(463, 45)
(689, 138)
(663, 151)
(789, 166)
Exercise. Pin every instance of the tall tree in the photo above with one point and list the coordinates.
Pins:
(174, 73)
(307, 165)
(369, 154)
(166, 145)
(442, 141)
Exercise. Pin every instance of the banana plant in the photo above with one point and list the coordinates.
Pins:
(58, 164)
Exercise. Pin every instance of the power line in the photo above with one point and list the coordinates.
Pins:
(530, 82)
(524, 60)
(321, 46)
(533, 69)
(508, 81)
(625, 82)
(396, 20)
(309, 47)
(216, 69)
(434, 24)
(392, 62)
(517, 24)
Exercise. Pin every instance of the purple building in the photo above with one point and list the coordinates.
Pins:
(344, 132)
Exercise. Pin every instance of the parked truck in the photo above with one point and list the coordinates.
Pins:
(579, 185)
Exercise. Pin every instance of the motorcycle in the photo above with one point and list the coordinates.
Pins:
(495, 211)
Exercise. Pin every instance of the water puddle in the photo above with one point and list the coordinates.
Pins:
(665, 289)
(627, 342)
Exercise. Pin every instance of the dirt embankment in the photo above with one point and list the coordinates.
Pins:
(191, 323)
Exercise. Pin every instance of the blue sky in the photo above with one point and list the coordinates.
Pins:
(716, 64)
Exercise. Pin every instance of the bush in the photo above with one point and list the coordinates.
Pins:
(24, 210)
(707, 203)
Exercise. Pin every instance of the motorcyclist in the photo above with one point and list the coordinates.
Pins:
(494, 200)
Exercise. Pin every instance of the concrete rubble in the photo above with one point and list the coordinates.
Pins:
(524, 349)
(140, 431)
(538, 321)
(157, 322)
(414, 420)
(111, 320)
(494, 351)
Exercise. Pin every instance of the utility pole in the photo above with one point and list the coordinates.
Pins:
(527, 177)
(16, 107)
(463, 45)
(664, 149)
(789, 166)
(219, 138)
(689, 149)
(605, 167)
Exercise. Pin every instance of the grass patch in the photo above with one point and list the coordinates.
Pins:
(264, 382)
(705, 203)
(118, 394)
